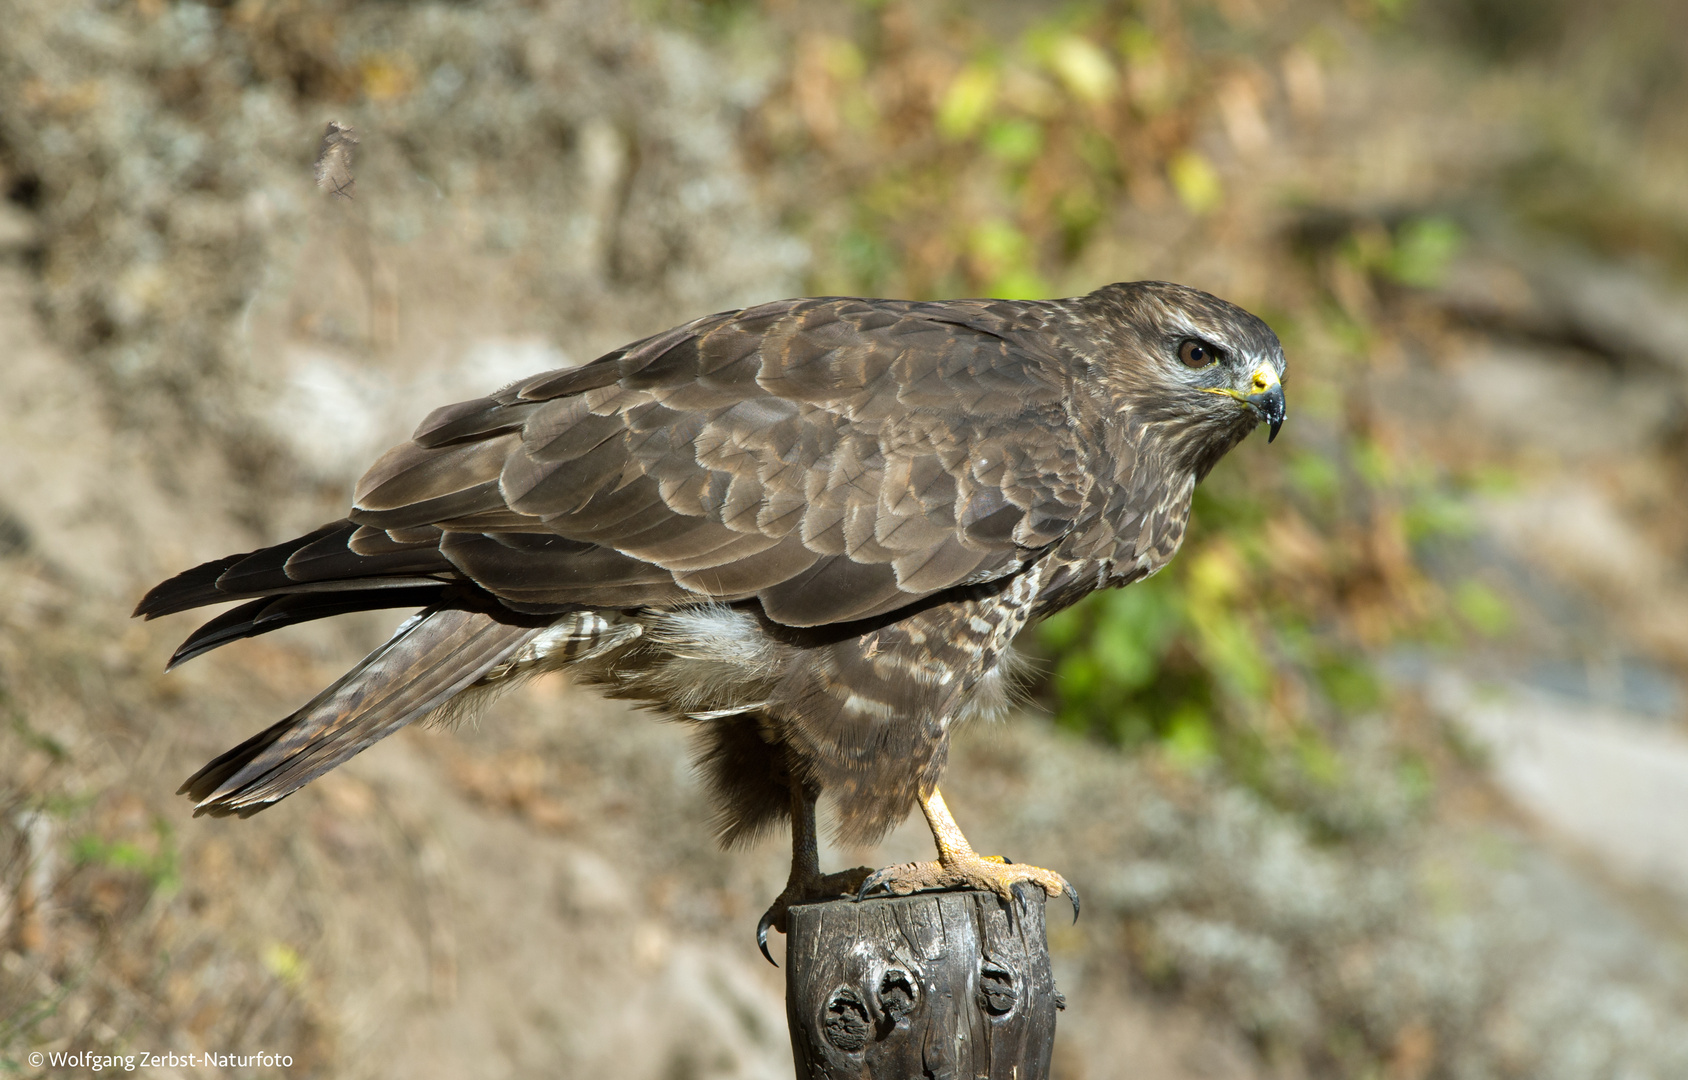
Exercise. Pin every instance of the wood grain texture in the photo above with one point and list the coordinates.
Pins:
(940, 985)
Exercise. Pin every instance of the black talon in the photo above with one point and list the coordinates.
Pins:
(870, 883)
(762, 926)
(1072, 894)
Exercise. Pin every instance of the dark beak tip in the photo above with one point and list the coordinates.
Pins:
(1268, 405)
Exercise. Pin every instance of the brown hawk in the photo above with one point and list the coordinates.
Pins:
(812, 527)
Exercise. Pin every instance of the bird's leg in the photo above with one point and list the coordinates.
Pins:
(806, 882)
(960, 867)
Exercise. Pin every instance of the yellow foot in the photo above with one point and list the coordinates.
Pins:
(966, 870)
(821, 887)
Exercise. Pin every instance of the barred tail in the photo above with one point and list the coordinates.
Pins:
(430, 660)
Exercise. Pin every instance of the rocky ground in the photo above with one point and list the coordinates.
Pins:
(200, 352)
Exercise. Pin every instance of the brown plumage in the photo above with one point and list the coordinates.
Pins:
(813, 527)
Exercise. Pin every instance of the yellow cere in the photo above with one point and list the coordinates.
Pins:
(1263, 380)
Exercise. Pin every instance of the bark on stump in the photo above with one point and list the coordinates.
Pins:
(943, 985)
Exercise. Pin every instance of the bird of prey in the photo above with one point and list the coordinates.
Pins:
(812, 528)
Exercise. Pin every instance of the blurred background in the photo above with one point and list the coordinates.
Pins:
(1385, 778)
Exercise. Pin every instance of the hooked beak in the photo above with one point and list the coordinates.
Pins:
(1269, 403)
(1265, 395)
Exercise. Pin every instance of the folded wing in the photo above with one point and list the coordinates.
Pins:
(834, 459)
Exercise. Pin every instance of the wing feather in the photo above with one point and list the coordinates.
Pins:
(835, 459)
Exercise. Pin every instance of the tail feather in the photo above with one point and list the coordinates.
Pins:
(318, 562)
(188, 589)
(268, 613)
(430, 660)
(198, 587)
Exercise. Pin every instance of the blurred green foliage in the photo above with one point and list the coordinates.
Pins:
(155, 862)
(1417, 252)
(992, 172)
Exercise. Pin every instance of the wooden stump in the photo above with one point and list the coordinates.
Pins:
(937, 984)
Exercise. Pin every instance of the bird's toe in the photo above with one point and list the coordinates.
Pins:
(841, 885)
(966, 871)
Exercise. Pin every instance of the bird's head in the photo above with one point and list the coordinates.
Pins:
(1203, 371)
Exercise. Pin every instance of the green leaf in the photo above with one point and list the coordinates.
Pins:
(1189, 738)
(967, 102)
(1084, 68)
(1433, 514)
(1015, 141)
(1424, 248)
(1318, 761)
(1483, 608)
(1019, 284)
(1315, 475)
(1350, 684)
(1196, 183)
(284, 962)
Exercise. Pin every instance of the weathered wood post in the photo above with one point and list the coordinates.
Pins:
(950, 984)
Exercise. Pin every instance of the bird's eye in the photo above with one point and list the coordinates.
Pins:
(1196, 353)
